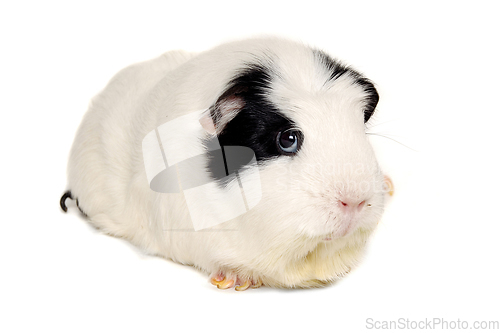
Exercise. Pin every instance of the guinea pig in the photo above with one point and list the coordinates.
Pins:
(312, 188)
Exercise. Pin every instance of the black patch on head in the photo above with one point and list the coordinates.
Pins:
(258, 123)
(337, 70)
(372, 96)
(225, 163)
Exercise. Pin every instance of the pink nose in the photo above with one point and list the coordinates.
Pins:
(349, 206)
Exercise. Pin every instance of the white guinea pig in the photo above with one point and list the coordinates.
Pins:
(317, 189)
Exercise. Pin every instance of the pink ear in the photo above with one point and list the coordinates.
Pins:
(230, 105)
(225, 110)
(207, 123)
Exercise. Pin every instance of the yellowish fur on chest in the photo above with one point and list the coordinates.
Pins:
(325, 263)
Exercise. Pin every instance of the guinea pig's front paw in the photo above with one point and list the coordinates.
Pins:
(229, 279)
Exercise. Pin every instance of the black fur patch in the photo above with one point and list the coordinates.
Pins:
(258, 123)
(337, 70)
(62, 201)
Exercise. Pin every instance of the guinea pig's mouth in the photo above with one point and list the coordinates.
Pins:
(343, 229)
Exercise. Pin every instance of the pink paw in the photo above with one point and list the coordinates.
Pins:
(229, 280)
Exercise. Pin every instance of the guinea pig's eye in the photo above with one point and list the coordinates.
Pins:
(288, 141)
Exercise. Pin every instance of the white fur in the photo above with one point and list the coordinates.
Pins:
(282, 240)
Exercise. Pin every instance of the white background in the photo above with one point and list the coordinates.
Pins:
(434, 255)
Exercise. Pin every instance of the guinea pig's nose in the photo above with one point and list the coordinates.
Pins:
(351, 206)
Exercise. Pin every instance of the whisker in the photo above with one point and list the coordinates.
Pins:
(387, 137)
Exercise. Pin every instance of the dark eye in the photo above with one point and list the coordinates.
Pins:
(288, 141)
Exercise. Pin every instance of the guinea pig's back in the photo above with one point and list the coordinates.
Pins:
(105, 151)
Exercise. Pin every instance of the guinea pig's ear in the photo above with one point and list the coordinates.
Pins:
(226, 108)
(207, 122)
